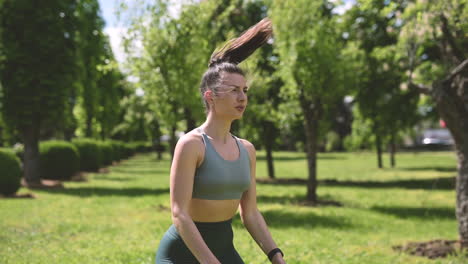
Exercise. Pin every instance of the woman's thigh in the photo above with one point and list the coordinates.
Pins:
(172, 249)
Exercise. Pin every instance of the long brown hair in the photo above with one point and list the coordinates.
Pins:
(233, 53)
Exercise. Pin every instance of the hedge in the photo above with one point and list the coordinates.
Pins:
(58, 160)
(10, 176)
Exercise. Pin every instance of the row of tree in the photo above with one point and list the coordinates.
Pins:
(58, 75)
(381, 53)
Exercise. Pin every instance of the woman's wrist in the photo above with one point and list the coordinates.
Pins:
(275, 252)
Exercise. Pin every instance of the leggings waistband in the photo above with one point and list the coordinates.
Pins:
(221, 224)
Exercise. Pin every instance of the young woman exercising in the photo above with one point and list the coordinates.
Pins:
(213, 172)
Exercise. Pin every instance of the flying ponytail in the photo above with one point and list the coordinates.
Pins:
(239, 49)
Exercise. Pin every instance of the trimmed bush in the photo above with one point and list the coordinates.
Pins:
(10, 176)
(59, 160)
(90, 154)
(106, 152)
(142, 146)
(130, 149)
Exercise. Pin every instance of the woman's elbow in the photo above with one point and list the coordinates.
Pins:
(179, 216)
(248, 215)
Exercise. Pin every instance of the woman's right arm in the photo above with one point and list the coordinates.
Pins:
(183, 168)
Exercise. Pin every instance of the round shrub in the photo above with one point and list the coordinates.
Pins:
(58, 160)
(130, 149)
(10, 176)
(90, 154)
(106, 152)
(118, 149)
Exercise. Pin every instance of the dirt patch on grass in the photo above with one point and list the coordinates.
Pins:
(79, 177)
(43, 184)
(433, 249)
(103, 170)
(18, 195)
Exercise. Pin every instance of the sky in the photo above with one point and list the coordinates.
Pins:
(112, 29)
(116, 31)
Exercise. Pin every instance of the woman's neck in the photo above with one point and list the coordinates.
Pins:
(216, 128)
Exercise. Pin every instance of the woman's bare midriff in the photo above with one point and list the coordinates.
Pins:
(202, 210)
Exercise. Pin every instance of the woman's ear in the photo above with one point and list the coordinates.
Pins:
(208, 96)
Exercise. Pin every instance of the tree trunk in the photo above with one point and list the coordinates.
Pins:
(31, 154)
(191, 123)
(269, 158)
(310, 110)
(392, 150)
(2, 143)
(451, 97)
(173, 140)
(89, 126)
(268, 139)
(378, 146)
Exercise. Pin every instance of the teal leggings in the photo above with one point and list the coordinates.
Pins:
(218, 236)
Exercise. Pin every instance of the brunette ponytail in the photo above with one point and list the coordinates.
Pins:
(239, 49)
(233, 53)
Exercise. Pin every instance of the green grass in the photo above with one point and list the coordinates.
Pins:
(119, 217)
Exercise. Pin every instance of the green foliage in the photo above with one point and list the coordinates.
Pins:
(309, 48)
(10, 178)
(39, 64)
(90, 154)
(361, 136)
(385, 102)
(59, 160)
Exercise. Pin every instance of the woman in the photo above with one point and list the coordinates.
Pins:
(213, 172)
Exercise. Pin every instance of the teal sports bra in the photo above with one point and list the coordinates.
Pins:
(220, 179)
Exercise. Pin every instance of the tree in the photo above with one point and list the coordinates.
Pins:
(375, 25)
(435, 34)
(111, 84)
(90, 42)
(38, 69)
(175, 53)
(312, 66)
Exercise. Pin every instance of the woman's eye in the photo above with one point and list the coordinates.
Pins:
(246, 90)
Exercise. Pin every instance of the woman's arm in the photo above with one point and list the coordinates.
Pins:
(183, 168)
(251, 216)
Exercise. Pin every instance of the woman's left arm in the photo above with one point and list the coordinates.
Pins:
(251, 216)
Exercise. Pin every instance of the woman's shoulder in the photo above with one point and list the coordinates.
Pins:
(249, 146)
(192, 139)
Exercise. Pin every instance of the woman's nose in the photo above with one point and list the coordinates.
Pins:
(242, 96)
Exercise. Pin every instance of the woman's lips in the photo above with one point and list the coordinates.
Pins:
(240, 108)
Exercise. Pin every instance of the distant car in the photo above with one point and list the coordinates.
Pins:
(437, 137)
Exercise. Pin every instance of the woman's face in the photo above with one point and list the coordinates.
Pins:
(230, 98)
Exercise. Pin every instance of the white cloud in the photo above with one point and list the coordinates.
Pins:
(341, 9)
(115, 36)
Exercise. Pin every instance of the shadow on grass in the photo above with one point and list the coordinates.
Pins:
(102, 191)
(295, 158)
(136, 171)
(297, 199)
(282, 218)
(446, 183)
(418, 212)
(427, 184)
(434, 168)
(294, 199)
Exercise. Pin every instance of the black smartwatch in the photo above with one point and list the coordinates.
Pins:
(273, 252)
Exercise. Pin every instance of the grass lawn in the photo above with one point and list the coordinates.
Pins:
(119, 217)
